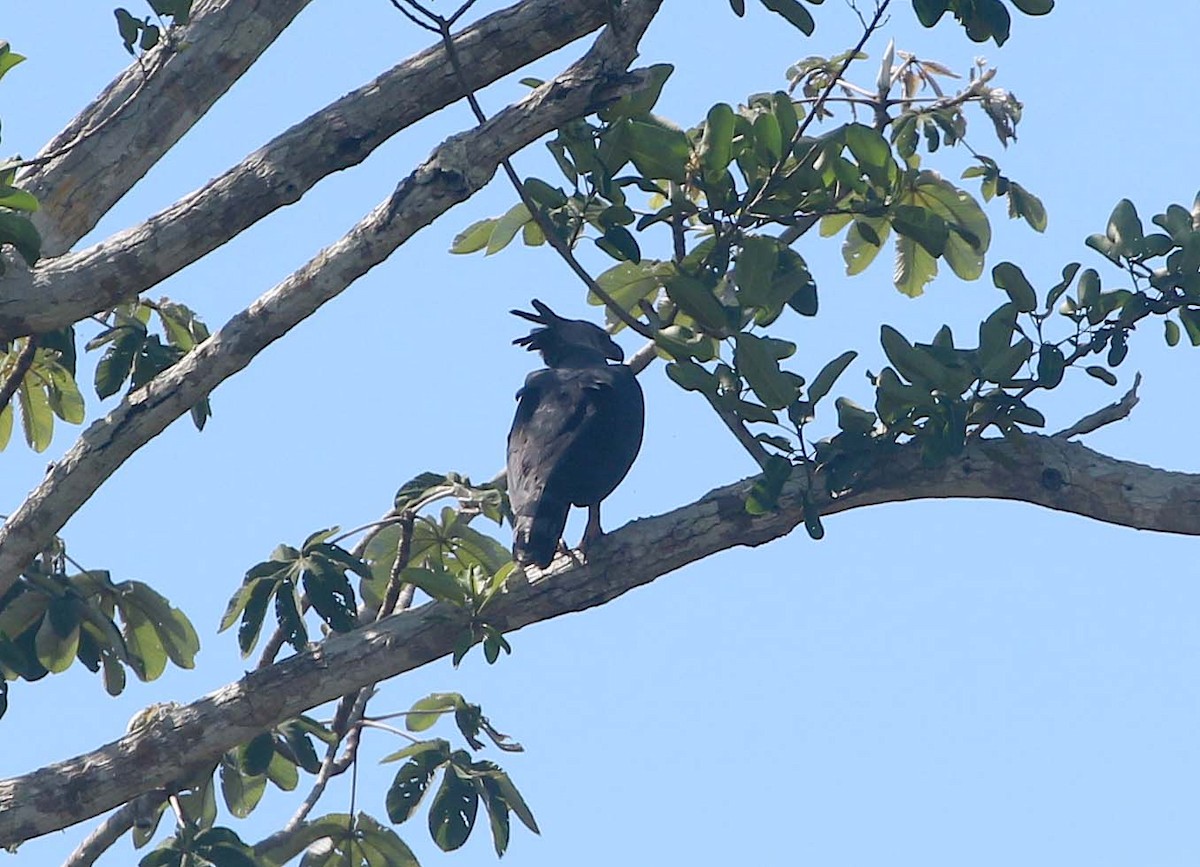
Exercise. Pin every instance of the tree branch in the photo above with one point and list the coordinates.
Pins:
(144, 111)
(66, 289)
(1044, 471)
(457, 169)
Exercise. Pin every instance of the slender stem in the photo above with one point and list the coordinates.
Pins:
(16, 374)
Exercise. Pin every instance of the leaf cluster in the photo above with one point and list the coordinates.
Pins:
(448, 559)
(141, 34)
(43, 375)
(318, 568)
(49, 619)
(465, 781)
(16, 230)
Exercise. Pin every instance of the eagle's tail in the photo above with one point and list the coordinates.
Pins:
(536, 536)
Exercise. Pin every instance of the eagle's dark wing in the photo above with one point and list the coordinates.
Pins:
(575, 435)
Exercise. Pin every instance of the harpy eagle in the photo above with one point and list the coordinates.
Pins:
(577, 430)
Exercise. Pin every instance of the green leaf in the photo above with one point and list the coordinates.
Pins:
(37, 419)
(829, 374)
(55, 645)
(764, 494)
(507, 226)
(14, 198)
(1172, 332)
(1051, 365)
(716, 143)
(427, 711)
(757, 361)
(640, 102)
(254, 756)
(628, 283)
(696, 299)
(1034, 7)
(452, 812)
(852, 418)
(8, 59)
(1104, 375)
(795, 14)
(659, 150)
(241, 792)
(16, 230)
(475, 237)
(497, 811)
(1012, 280)
(755, 269)
(619, 243)
(1125, 230)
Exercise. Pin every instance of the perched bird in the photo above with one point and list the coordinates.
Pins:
(577, 430)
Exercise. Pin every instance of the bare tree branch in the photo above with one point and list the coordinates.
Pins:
(113, 142)
(1043, 471)
(63, 290)
(457, 169)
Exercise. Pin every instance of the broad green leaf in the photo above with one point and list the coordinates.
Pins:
(859, 250)
(640, 102)
(1104, 375)
(16, 229)
(1012, 280)
(37, 419)
(717, 140)
(427, 711)
(452, 811)
(240, 791)
(1024, 204)
(497, 812)
(764, 494)
(16, 199)
(659, 150)
(56, 649)
(795, 14)
(475, 237)
(824, 380)
(757, 360)
(696, 299)
(691, 376)
(1051, 365)
(1125, 230)
(852, 418)
(915, 267)
(755, 269)
(628, 283)
(507, 227)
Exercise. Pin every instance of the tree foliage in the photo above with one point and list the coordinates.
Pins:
(701, 218)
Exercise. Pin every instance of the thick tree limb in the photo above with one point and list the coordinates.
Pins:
(1043, 471)
(456, 170)
(66, 289)
(144, 111)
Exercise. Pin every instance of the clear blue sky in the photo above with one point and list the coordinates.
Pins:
(934, 684)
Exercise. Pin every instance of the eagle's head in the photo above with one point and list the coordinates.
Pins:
(567, 342)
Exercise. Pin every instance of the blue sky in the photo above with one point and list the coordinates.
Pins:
(933, 684)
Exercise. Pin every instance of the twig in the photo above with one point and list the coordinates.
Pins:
(1114, 412)
(20, 367)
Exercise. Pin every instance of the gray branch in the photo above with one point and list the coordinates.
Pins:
(456, 170)
(81, 185)
(1043, 471)
(144, 111)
